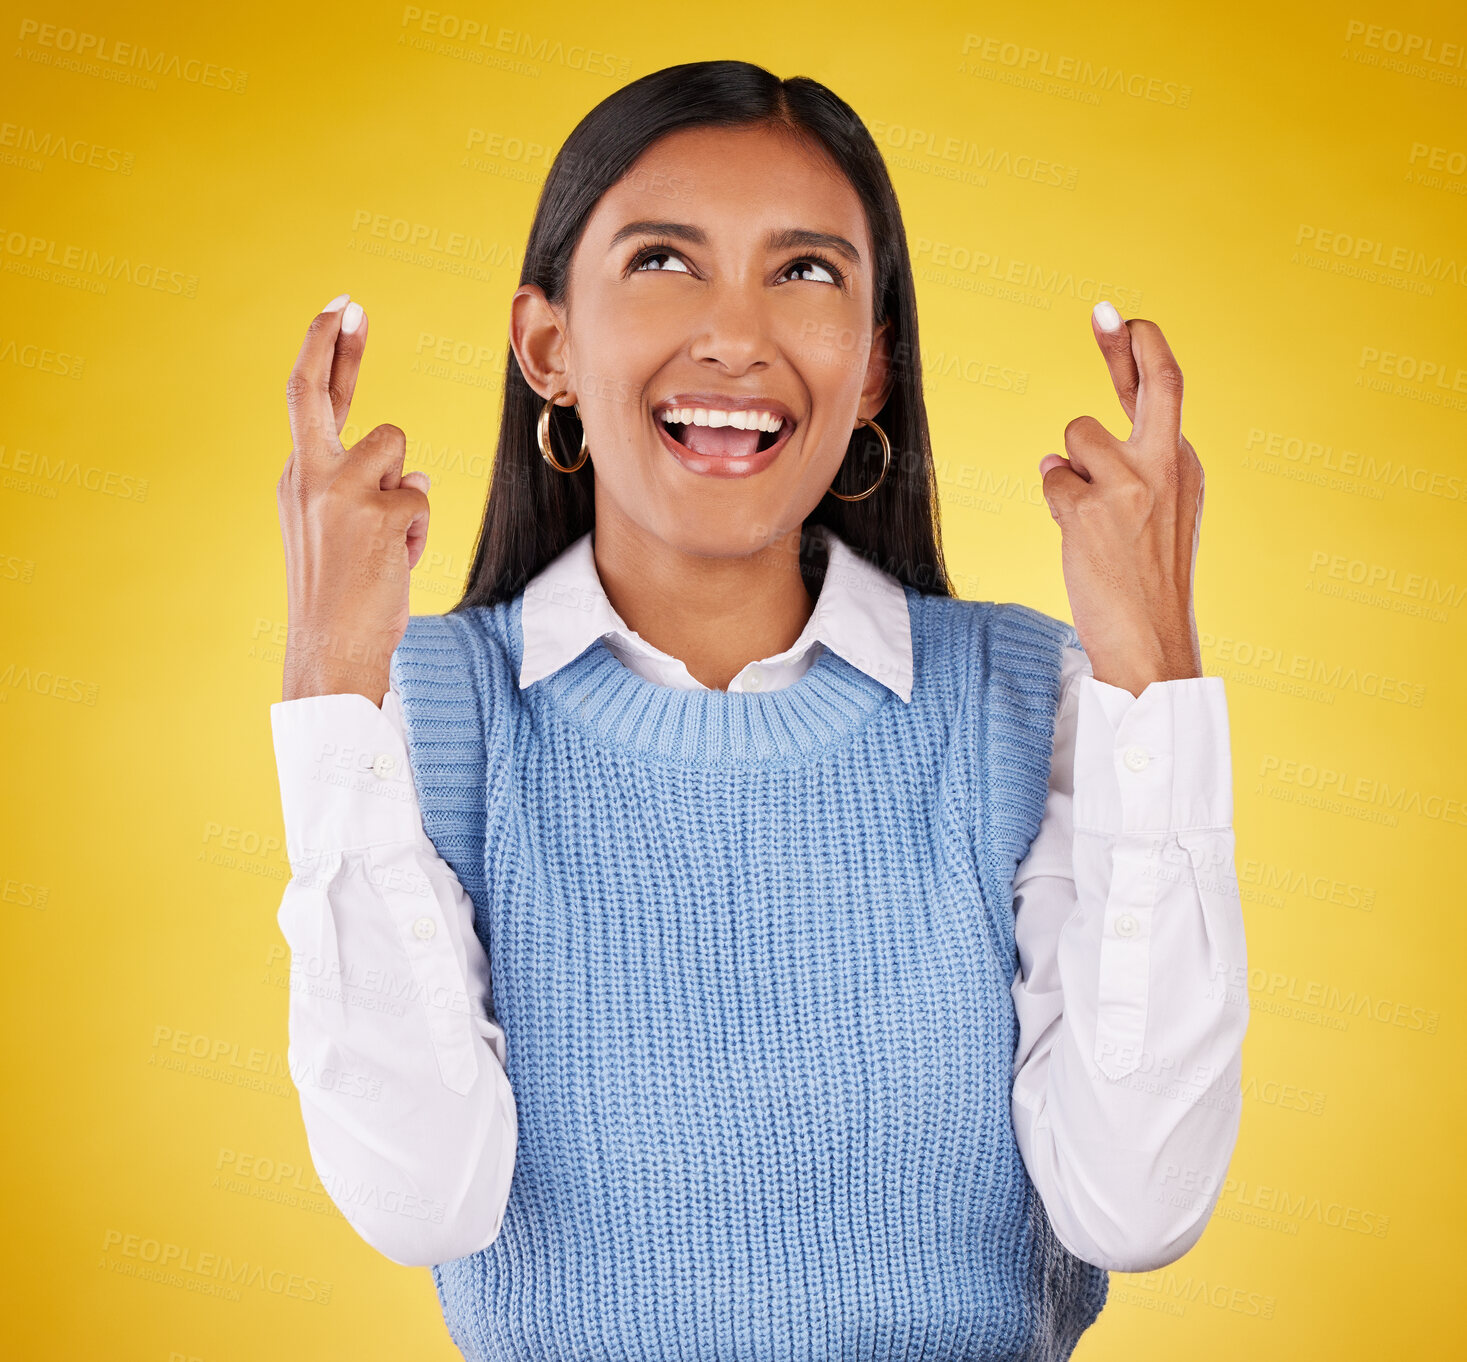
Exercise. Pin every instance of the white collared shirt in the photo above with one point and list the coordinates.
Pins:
(1128, 1066)
(860, 613)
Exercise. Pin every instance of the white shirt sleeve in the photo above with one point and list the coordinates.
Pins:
(409, 1115)
(1127, 1078)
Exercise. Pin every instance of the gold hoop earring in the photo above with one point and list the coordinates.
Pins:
(885, 463)
(544, 431)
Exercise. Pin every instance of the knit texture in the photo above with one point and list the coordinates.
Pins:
(753, 954)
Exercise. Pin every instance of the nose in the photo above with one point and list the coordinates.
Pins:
(733, 329)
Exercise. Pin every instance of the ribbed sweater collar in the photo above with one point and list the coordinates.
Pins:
(609, 702)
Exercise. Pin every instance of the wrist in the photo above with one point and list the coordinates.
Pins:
(1136, 667)
(301, 683)
(305, 687)
(322, 661)
(1136, 679)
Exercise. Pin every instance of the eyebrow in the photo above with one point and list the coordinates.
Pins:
(782, 238)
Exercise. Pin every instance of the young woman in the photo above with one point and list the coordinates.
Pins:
(712, 938)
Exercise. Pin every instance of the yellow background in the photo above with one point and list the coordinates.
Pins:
(143, 427)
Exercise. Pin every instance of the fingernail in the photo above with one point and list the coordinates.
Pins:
(1108, 318)
(352, 318)
(336, 304)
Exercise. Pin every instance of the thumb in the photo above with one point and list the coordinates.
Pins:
(1061, 485)
(417, 530)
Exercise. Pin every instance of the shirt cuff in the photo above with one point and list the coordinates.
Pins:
(345, 782)
(1158, 762)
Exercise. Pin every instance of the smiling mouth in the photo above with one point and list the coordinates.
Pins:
(723, 442)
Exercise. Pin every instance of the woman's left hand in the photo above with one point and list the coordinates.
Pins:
(1130, 514)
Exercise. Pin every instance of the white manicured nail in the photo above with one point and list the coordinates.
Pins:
(352, 318)
(336, 304)
(1108, 317)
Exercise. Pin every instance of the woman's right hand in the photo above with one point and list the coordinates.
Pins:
(354, 525)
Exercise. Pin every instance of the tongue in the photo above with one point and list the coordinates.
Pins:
(724, 442)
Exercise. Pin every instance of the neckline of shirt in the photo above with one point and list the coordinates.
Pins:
(600, 695)
(860, 613)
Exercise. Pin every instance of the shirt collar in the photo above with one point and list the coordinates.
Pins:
(861, 614)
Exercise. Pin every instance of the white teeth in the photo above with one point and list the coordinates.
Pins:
(714, 417)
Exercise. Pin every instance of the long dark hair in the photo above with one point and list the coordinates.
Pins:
(533, 512)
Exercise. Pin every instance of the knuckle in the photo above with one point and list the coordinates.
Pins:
(297, 388)
(290, 495)
(324, 507)
(1136, 494)
(1082, 427)
(1169, 376)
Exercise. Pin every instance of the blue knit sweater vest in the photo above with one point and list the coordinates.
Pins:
(752, 953)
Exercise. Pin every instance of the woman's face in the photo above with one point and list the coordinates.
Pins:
(730, 270)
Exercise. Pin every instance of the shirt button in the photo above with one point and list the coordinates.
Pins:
(755, 679)
(384, 765)
(424, 928)
(1126, 925)
(1136, 758)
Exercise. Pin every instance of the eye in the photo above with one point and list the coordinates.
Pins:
(657, 253)
(665, 251)
(832, 273)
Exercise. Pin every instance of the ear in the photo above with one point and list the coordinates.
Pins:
(879, 377)
(537, 336)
